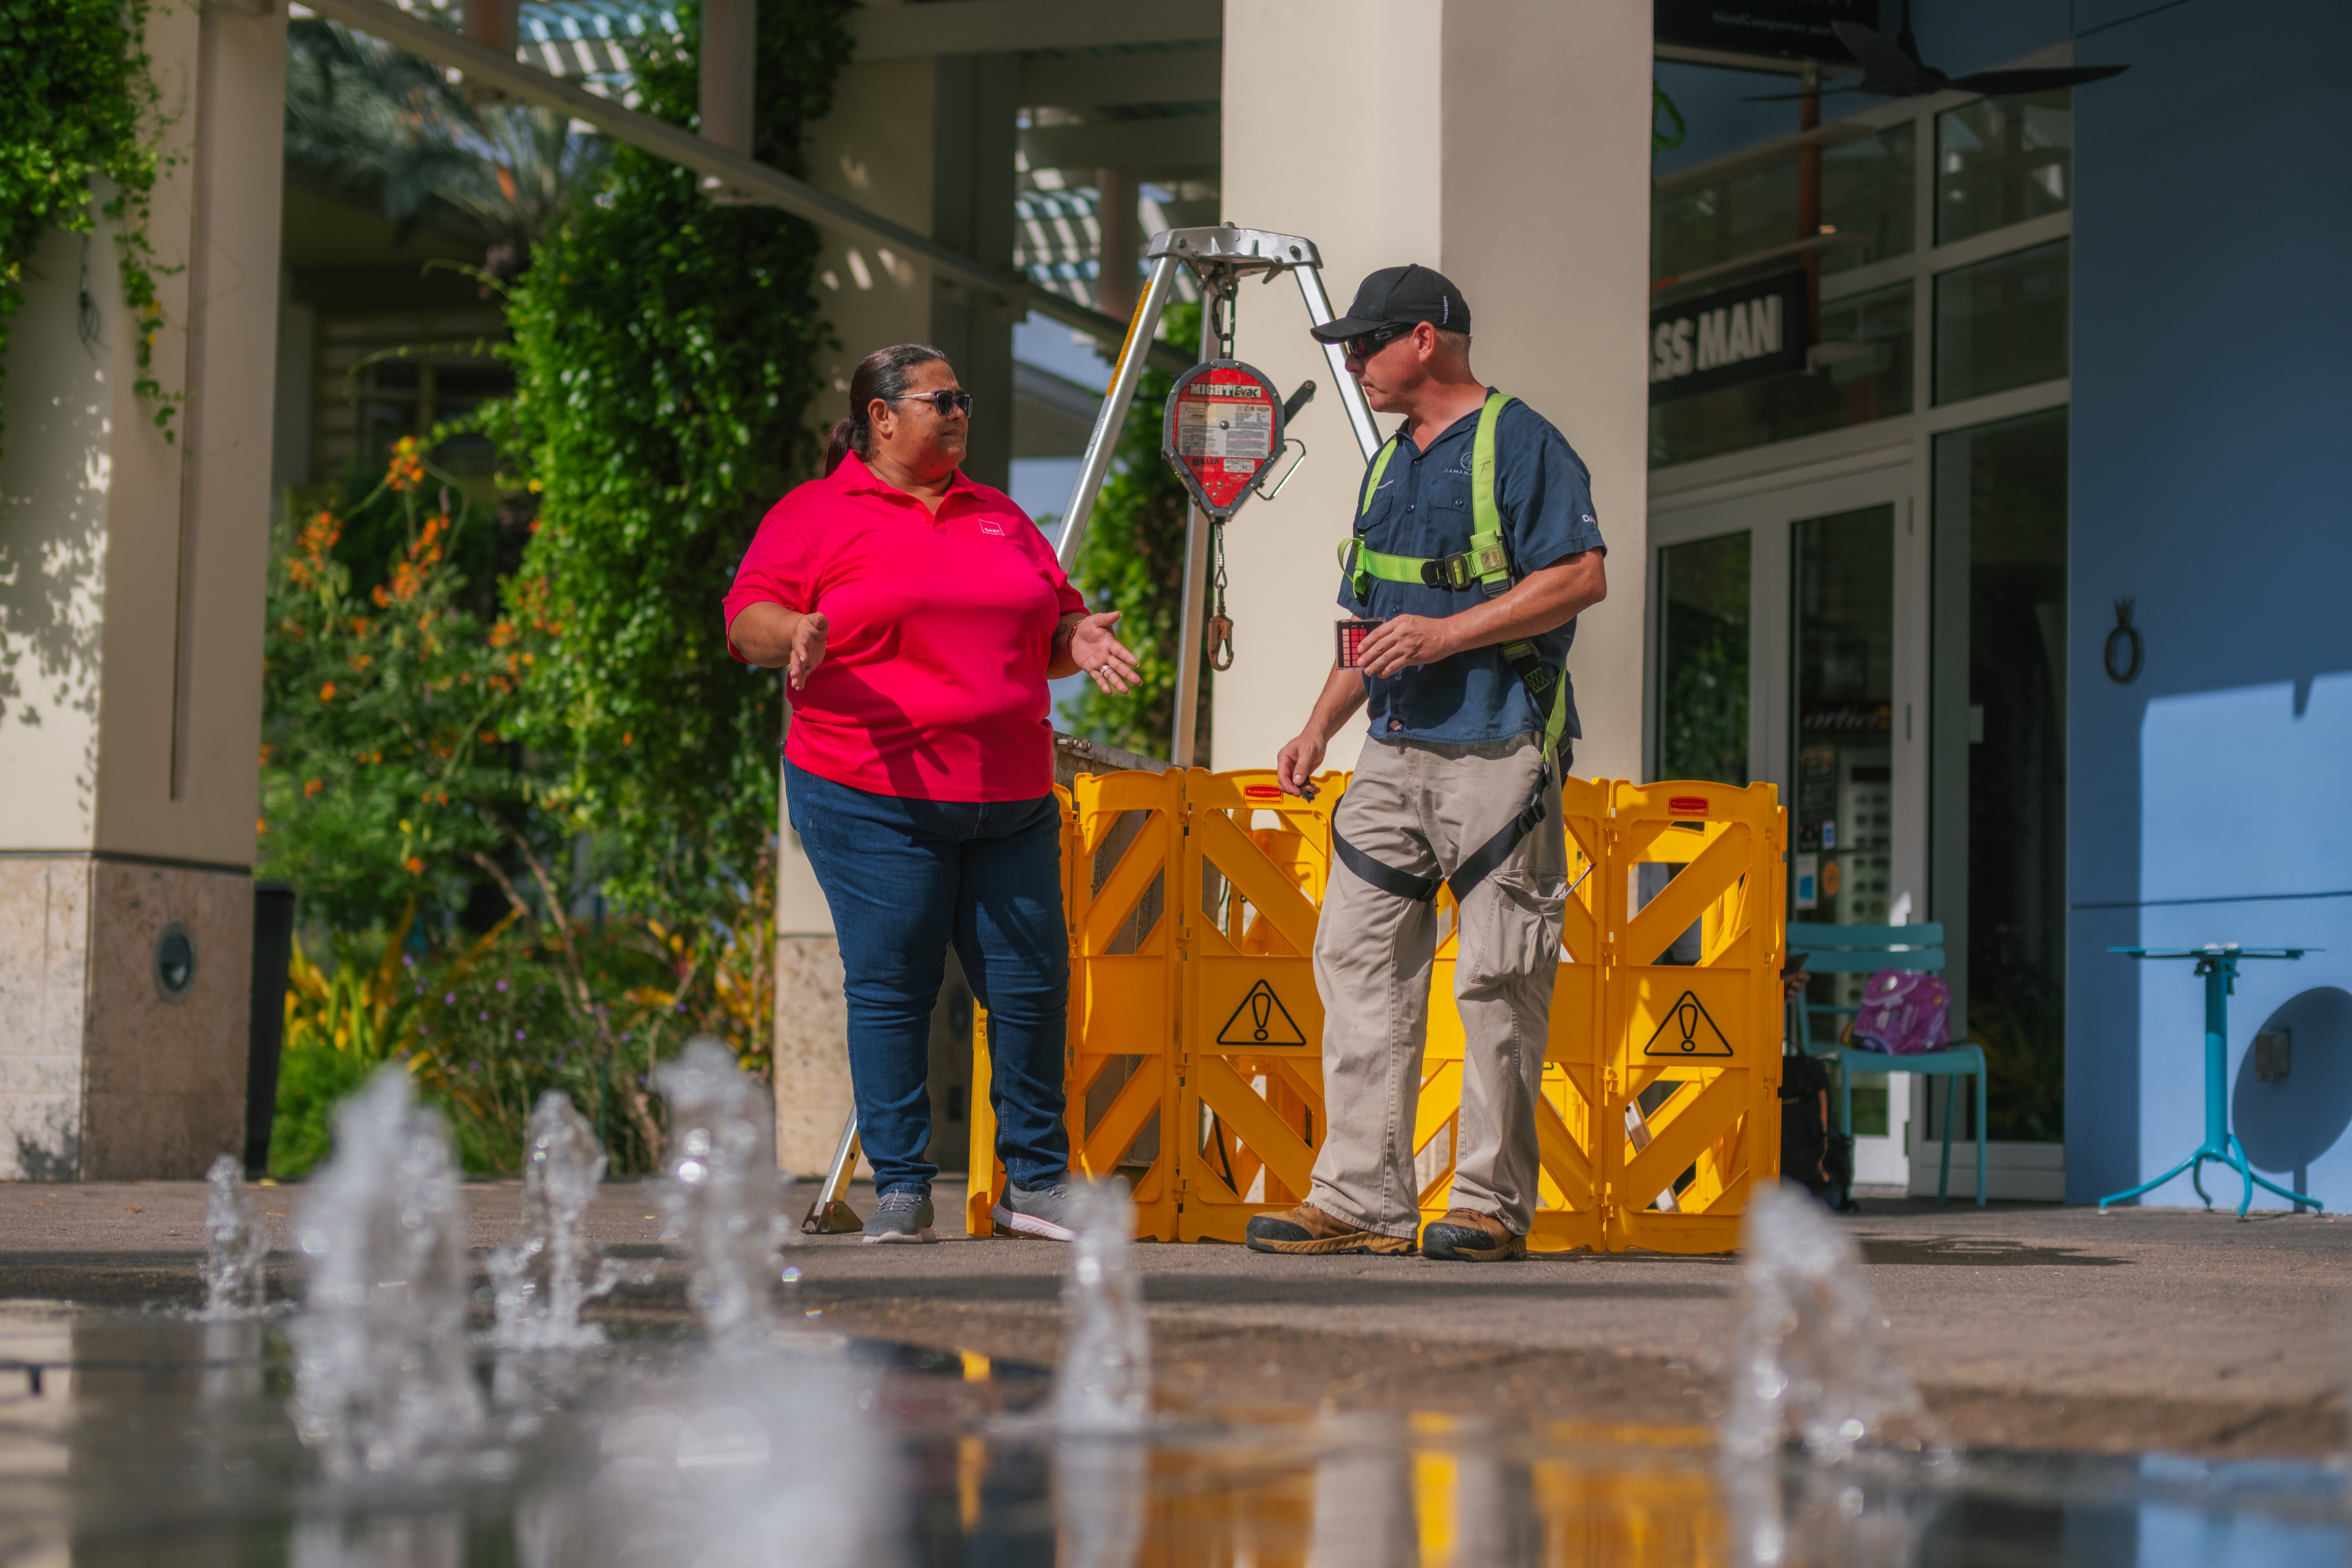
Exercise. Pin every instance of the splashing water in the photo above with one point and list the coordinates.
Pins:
(724, 1198)
(236, 1243)
(382, 1384)
(543, 1278)
(1105, 1387)
(1106, 1380)
(1808, 1354)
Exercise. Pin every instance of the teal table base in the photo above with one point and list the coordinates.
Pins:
(2219, 966)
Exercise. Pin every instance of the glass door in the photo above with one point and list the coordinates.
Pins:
(1790, 645)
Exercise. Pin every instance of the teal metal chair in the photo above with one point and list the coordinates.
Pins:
(1866, 950)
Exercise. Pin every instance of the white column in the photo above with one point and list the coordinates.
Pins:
(1503, 142)
(131, 719)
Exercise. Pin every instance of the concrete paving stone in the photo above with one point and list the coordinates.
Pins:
(2027, 1325)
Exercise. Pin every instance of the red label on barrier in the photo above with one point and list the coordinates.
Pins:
(1262, 791)
(1686, 803)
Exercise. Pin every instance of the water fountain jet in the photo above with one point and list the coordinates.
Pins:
(541, 1280)
(1102, 1397)
(723, 1199)
(236, 1243)
(1808, 1355)
(383, 1384)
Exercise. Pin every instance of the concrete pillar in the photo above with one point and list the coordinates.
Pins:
(1117, 285)
(1505, 144)
(130, 646)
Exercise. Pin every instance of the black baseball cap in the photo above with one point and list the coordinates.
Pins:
(1400, 295)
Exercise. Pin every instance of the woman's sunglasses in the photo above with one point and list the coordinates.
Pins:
(1371, 344)
(940, 401)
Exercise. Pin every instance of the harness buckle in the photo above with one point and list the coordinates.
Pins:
(1447, 572)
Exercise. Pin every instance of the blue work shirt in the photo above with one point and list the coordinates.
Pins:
(1423, 509)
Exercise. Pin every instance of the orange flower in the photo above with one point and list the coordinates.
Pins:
(327, 692)
(266, 749)
(359, 626)
(489, 737)
(626, 737)
(312, 787)
(407, 470)
(502, 634)
(416, 867)
(382, 599)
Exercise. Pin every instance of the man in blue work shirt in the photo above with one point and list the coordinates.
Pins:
(1475, 547)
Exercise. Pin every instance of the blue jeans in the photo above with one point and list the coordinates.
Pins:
(906, 877)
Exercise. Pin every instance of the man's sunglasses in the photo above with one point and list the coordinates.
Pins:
(940, 401)
(1371, 344)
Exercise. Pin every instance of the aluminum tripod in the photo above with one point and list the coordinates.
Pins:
(1218, 259)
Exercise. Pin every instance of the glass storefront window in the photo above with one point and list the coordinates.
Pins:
(1841, 863)
(1867, 195)
(1845, 717)
(1863, 373)
(1867, 200)
(2004, 487)
(2001, 161)
(1724, 222)
(1703, 594)
(2002, 323)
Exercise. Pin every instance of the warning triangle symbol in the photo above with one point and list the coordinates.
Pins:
(1261, 1020)
(1688, 1031)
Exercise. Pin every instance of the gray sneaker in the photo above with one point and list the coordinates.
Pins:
(902, 1216)
(1042, 1212)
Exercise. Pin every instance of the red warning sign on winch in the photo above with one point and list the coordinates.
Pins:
(1224, 428)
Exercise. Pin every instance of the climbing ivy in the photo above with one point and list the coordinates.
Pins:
(665, 351)
(81, 106)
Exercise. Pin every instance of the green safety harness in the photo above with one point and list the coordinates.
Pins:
(1487, 566)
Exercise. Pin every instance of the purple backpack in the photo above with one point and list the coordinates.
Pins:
(1904, 1014)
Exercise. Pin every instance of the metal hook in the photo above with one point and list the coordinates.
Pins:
(1287, 443)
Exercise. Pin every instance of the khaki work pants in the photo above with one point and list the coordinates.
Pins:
(1423, 808)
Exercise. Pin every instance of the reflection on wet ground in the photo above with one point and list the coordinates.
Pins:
(143, 1438)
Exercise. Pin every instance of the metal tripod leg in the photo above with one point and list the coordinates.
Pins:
(1110, 421)
(830, 1214)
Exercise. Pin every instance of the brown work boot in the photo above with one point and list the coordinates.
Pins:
(1468, 1235)
(1309, 1230)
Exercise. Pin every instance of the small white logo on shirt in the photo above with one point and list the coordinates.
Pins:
(990, 525)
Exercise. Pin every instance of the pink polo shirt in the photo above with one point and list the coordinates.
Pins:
(933, 684)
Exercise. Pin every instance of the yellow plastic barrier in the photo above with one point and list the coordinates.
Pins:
(1196, 1032)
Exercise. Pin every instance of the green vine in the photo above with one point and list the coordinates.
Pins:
(81, 105)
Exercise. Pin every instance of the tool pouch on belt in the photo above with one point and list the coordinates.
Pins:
(1485, 565)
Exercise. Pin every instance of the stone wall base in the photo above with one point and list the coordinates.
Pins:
(102, 1076)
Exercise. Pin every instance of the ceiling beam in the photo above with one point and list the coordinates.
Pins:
(993, 26)
(1194, 140)
(1088, 81)
(745, 179)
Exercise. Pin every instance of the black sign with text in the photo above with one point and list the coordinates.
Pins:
(1791, 29)
(1740, 334)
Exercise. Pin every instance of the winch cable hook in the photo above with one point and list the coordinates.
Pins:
(1217, 638)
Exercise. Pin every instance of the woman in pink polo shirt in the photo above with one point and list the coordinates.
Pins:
(917, 617)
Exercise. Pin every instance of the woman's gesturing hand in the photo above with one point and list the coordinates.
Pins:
(1103, 656)
(808, 647)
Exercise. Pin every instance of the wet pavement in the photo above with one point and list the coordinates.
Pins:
(2029, 1327)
